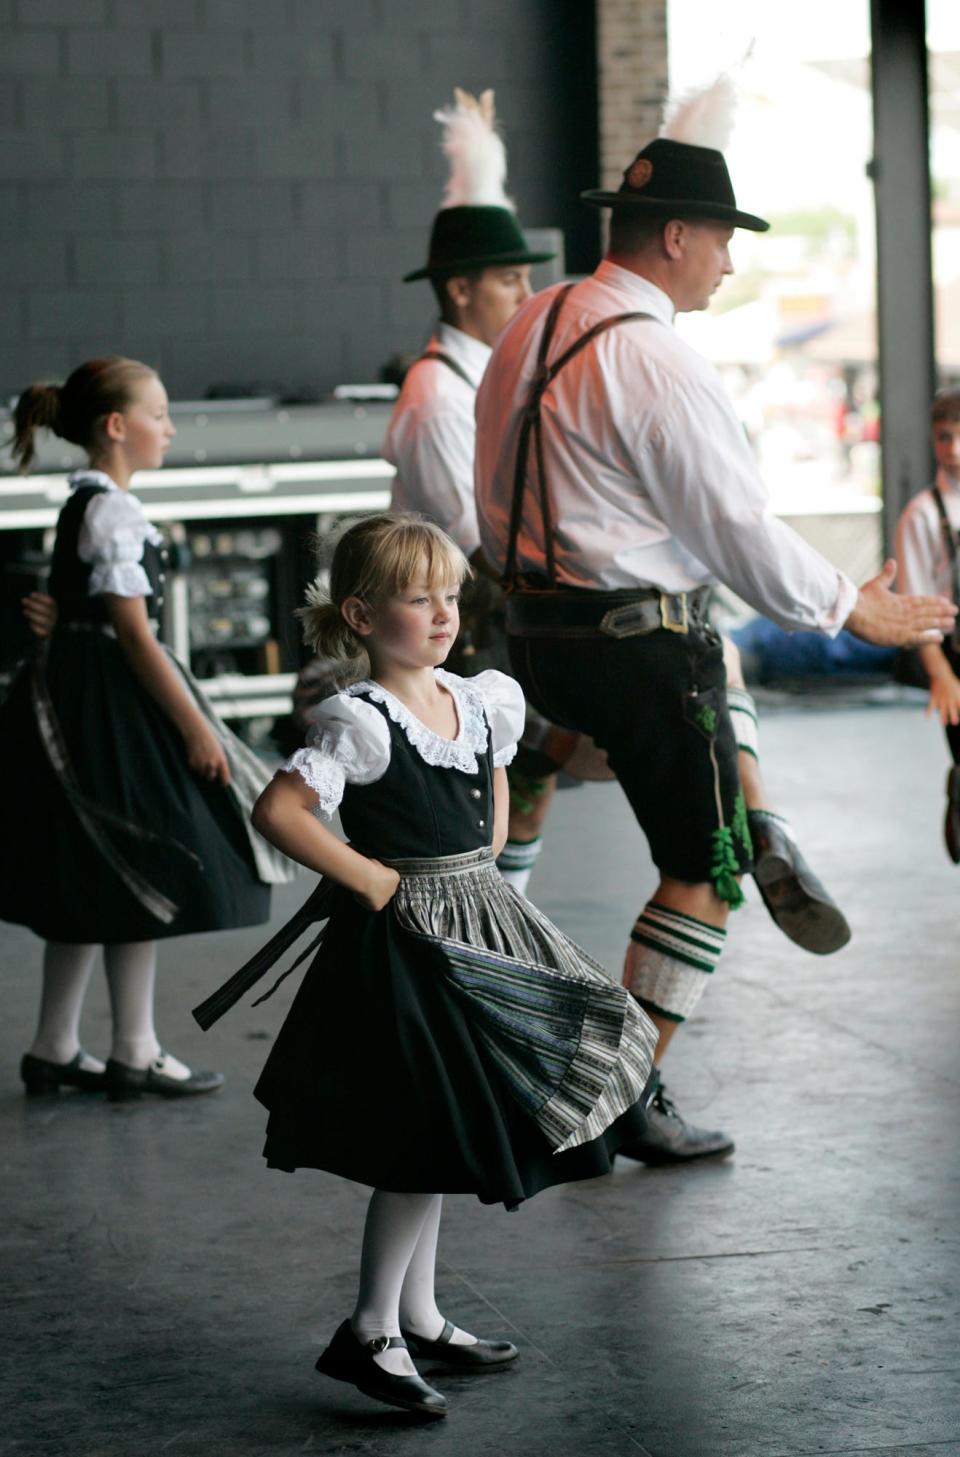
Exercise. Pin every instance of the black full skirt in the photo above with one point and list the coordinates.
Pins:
(379, 1075)
(184, 837)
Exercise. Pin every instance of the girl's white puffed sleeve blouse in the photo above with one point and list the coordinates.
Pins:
(111, 540)
(349, 743)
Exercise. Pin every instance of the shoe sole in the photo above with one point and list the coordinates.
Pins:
(658, 1160)
(344, 1373)
(816, 926)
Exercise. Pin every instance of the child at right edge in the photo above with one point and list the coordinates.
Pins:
(928, 551)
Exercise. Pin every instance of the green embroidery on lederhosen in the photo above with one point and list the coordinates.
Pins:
(741, 825)
(724, 865)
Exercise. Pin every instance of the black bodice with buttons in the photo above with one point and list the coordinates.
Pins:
(70, 577)
(416, 809)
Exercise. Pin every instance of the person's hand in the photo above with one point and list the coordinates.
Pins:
(379, 888)
(205, 754)
(40, 610)
(883, 617)
(945, 698)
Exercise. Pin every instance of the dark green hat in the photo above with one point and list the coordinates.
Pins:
(677, 179)
(474, 236)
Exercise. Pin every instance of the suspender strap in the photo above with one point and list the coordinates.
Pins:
(951, 542)
(531, 426)
(442, 358)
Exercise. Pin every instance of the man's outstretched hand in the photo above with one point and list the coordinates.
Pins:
(883, 617)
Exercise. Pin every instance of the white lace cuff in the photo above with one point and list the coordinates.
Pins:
(123, 579)
(323, 775)
(503, 757)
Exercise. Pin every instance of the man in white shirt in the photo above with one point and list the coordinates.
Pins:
(479, 269)
(612, 491)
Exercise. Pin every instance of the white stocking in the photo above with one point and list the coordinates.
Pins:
(390, 1236)
(131, 974)
(418, 1302)
(66, 973)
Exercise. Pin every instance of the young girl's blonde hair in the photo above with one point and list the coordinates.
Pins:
(375, 559)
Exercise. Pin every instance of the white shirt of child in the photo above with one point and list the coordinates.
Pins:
(651, 479)
(111, 537)
(431, 436)
(920, 548)
(349, 742)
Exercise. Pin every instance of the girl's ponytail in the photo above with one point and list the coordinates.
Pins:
(327, 631)
(39, 407)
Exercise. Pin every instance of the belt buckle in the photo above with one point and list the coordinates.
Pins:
(679, 624)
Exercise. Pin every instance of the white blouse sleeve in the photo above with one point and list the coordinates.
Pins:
(506, 712)
(349, 743)
(111, 539)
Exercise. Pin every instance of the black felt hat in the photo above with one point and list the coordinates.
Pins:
(472, 236)
(679, 180)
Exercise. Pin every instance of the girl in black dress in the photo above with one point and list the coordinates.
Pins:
(125, 816)
(447, 1037)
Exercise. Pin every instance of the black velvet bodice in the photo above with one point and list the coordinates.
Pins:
(70, 577)
(418, 810)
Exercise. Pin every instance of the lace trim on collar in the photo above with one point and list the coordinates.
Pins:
(441, 753)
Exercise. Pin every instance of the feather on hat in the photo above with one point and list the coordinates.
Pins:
(474, 149)
(476, 226)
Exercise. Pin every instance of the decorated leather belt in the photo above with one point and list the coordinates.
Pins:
(605, 614)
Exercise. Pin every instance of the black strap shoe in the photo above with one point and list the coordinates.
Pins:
(951, 821)
(41, 1077)
(480, 1356)
(669, 1139)
(793, 895)
(125, 1083)
(349, 1359)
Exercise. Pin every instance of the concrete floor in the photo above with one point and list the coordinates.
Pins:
(163, 1292)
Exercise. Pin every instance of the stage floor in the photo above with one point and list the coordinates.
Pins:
(164, 1292)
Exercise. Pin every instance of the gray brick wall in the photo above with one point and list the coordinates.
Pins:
(232, 189)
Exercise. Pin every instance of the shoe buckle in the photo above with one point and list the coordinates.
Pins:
(378, 1344)
(676, 622)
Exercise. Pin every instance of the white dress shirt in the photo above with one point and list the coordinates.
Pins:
(921, 551)
(651, 479)
(112, 534)
(431, 435)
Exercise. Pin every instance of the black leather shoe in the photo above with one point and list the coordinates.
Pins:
(349, 1359)
(125, 1083)
(951, 821)
(41, 1077)
(481, 1356)
(670, 1140)
(791, 892)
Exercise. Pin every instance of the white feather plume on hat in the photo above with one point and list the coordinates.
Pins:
(475, 151)
(704, 116)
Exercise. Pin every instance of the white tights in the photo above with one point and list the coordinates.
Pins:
(397, 1266)
(131, 973)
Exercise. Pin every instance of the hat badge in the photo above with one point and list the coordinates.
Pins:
(639, 173)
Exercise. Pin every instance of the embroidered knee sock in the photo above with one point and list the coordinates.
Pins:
(66, 974)
(516, 861)
(669, 959)
(743, 712)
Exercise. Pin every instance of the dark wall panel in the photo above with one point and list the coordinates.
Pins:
(231, 189)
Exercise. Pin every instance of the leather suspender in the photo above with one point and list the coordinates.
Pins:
(531, 426)
(951, 542)
(449, 361)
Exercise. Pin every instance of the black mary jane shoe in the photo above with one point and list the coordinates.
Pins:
(349, 1359)
(125, 1083)
(41, 1077)
(480, 1356)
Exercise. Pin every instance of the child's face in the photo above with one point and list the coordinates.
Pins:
(145, 429)
(417, 627)
(946, 446)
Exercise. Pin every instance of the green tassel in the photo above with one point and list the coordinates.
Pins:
(723, 871)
